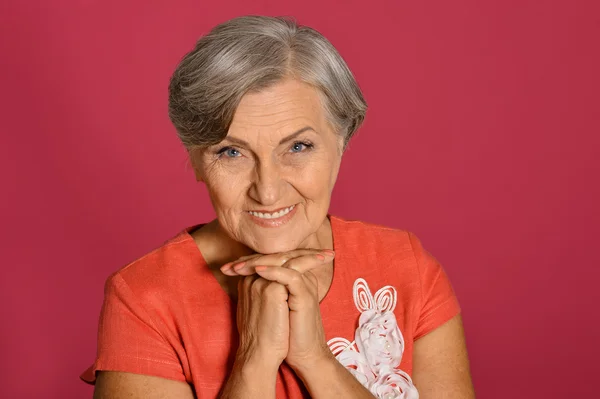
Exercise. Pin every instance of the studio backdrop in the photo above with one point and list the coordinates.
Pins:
(481, 138)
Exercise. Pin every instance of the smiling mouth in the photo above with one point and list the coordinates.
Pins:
(272, 215)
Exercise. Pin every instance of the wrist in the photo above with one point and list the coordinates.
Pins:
(250, 379)
(255, 365)
(328, 378)
(319, 375)
(315, 366)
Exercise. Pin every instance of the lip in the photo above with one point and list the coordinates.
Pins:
(280, 221)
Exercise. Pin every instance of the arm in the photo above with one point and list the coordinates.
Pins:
(441, 365)
(126, 334)
(308, 355)
(330, 379)
(262, 321)
(245, 381)
(116, 384)
(250, 380)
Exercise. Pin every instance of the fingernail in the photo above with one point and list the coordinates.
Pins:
(226, 266)
(239, 266)
(328, 252)
(229, 272)
(319, 256)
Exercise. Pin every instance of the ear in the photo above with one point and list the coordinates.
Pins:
(198, 175)
(194, 159)
(341, 142)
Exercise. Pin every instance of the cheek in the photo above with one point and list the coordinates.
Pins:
(226, 187)
(318, 175)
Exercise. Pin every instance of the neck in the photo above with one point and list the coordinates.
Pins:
(321, 239)
(220, 245)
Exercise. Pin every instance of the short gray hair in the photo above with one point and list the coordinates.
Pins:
(250, 53)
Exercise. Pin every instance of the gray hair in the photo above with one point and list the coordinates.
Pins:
(250, 53)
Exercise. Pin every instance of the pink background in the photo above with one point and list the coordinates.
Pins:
(482, 137)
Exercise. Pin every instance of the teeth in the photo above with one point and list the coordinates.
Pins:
(273, 215)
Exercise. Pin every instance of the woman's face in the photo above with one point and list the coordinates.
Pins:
(270, 180)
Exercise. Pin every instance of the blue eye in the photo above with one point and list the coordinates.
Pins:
(232, 152)
(299, 146)
(229, 152)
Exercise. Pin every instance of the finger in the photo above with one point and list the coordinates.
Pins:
(248, 281)
(229, 265)
(228, 270)
(247, 267)
(277, 259)
(306, 263)
(244, 301)
(291, 279)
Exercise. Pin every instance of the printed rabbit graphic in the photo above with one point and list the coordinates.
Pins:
(376, 352)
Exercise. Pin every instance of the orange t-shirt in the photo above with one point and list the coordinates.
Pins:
(166, 315)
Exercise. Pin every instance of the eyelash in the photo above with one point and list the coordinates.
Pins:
(223, 150)
(308, 145)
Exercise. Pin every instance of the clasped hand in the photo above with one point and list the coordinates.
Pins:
(278, 313)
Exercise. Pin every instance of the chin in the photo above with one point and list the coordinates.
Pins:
(273, 246)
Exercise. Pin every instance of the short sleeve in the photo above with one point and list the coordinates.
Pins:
(128, 340)
(438, 300)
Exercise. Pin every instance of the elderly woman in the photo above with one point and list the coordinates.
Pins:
(275, 297)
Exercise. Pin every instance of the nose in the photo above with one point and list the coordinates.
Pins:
(266, 185)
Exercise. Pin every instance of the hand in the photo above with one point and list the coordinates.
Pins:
(293, 270)
(263, 323)
(245, 265)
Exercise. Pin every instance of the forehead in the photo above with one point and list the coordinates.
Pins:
(289, 102)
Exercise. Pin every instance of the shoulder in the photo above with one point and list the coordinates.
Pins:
(373, 237)
(385, 256)
(394, 256)
(143, 313)
(163, 270)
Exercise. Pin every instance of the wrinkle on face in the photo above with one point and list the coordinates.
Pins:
(268, 174)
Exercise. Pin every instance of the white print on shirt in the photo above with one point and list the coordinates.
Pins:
(376, 352)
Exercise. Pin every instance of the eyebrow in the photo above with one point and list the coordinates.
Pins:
(287, 138)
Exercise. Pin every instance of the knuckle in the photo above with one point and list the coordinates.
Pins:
(251, 283)
(256, 287)
(284, 259)
(298, 264)
(272, 288)
(247, 282)
(275, 290)
(310, 276)
(290, 263)
(296, 278)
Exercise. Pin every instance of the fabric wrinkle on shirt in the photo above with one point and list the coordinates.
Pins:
(166, 315)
